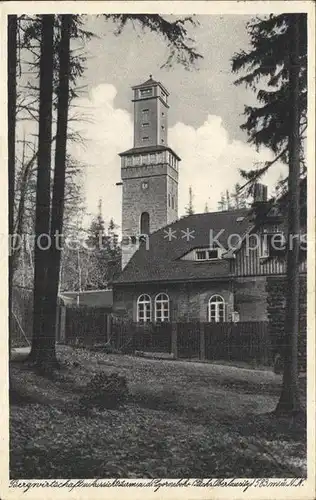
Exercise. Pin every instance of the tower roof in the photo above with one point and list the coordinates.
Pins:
(149, 149)
(149, 82)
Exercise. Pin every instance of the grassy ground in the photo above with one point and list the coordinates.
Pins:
(182, 419)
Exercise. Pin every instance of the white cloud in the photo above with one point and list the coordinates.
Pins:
(210, 160)
(108, 133)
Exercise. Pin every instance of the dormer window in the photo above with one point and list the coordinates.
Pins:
(200, 255)
(208, 254)
(213, 254)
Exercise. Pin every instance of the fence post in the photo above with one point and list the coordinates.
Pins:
(174, 340)
(62, 324)
(202, 341)
(108, 327)
(57, 329)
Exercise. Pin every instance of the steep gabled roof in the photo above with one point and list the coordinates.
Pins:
(162, 261)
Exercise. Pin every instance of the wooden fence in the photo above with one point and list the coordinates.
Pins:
(249, 342)
(86, 326)
(150, 337)
(244, 341)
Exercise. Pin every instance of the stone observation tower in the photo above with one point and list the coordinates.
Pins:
(149, 170)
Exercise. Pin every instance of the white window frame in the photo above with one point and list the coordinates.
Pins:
(163, 300)
(136, 160)
(216, 301)
(144, 300)
(207, 254)
(200, 251)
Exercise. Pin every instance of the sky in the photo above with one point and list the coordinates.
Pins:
(204, 117)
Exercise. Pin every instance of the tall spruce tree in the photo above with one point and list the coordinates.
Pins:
(189, 209)
(42, 222)
(277, 72)
(12, 63)
(267, 66)
(234, 200)
(42, 28)
(58, 193)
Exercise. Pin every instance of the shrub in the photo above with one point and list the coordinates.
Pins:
(105, 391)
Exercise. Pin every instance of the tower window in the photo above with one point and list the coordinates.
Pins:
(145, 115)
(145, 92)
(144, 223)
(146, 138)
(162, 127)
(173, 202)
(162, 141)
(162, 114)
(169, 200)
(145, 124)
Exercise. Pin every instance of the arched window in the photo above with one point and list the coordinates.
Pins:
(143, 308)
(216, 309)
(162, 312)
(144, 223)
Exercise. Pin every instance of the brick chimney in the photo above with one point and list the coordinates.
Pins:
(260, 193)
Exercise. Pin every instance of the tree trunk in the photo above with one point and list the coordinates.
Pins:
(289, 402)
(12, 61)
(59, 178)
(43, 349)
